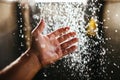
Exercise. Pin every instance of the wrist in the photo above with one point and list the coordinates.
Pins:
(35, 58)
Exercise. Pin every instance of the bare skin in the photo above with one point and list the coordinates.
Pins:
(45, 49)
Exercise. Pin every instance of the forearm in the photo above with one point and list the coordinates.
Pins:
(24, 68)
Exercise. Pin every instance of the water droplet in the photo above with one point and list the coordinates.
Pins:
(116, 30)
(43, 46)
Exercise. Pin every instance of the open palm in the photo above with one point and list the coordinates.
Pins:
(51, 47)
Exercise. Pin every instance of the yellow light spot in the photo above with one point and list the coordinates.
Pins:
(91, 28)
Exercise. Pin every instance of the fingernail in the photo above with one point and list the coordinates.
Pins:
(74, 33)
(77, 39)
(42, 20)
(67, 28)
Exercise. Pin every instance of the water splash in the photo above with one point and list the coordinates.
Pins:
(75, 66)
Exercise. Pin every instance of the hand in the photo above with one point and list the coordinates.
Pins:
(51, 47)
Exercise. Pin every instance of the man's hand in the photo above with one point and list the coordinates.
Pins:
(49, 48)
(45, 49)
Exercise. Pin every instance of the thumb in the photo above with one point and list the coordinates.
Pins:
(41, 26)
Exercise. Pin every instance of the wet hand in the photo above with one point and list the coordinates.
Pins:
(51, 47)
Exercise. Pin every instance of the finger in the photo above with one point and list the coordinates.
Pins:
(66, 36)
(59, 52)
(69, 43)
(40, 26)
(59, 31)
(69, 50)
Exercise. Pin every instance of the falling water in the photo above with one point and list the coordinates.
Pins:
(77, 65)
(88, 61)
(91, 60)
